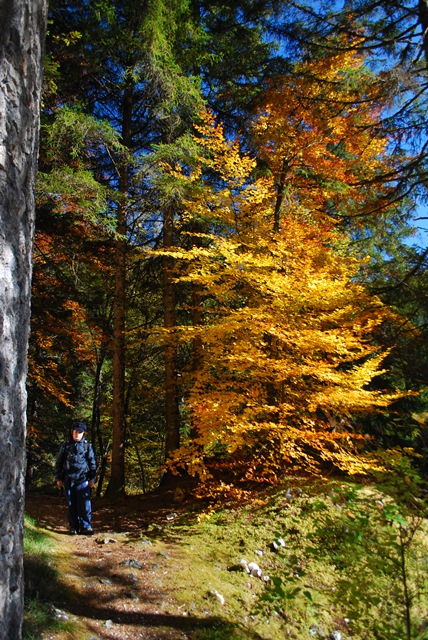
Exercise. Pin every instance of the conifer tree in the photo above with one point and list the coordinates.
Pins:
(144, 69)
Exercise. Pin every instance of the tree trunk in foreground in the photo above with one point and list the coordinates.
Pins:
(22, 28)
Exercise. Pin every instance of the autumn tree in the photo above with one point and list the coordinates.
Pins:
(288, 341)
(72, 295)
(394, 42)
(21, 44)
(317, 134)
(135, 48)
(73, 258)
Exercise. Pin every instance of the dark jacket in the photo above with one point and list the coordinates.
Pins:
(76, 462)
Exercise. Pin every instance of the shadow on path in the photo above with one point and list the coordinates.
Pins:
(95, 583)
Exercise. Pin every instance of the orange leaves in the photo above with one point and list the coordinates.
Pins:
(47, 379)
(63, 335)
(315, 133)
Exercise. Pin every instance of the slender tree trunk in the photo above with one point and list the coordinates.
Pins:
(272, 390)
(96, 413)
(129, 433)
(100, 447)
(280, 195)
(117, 478)
(197, 319)
(172, 436)
(404, 578)
(22, 28)
(139, 458)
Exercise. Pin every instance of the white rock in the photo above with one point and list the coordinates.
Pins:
(58, 614)
(244, 564)
(254, 570)
(105, 540)
(218, 595)
(276, 544)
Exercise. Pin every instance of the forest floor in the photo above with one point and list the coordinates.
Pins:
(168, 566)
(114, 585)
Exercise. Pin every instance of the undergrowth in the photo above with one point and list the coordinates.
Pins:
(335, 557)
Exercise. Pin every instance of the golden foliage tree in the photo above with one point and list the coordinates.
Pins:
(287, 333)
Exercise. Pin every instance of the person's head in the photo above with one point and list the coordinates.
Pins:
(78, 431)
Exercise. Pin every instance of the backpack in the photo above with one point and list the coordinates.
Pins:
(66, 452)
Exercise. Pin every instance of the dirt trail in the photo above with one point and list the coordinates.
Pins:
(115, 583)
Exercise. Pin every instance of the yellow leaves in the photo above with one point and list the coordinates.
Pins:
(287, 334)
(225, 157)
(71, 38)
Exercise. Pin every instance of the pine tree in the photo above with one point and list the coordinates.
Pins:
(144, 69)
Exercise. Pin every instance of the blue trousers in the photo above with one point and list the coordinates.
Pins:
(79, 506)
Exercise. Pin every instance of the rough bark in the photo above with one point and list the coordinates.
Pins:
(22, 28)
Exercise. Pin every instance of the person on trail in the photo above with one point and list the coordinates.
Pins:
(75, 470)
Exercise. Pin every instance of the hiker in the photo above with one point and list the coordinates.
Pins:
(75, 470)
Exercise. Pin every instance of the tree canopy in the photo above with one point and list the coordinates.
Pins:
(222, 264)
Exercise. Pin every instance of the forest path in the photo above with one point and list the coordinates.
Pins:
(115, 584)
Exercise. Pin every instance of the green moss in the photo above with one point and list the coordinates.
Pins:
(339, 568)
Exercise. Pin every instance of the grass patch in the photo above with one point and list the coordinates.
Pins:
(41, 585)
(344, 558)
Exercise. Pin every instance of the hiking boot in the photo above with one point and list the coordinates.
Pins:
(88, 532)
